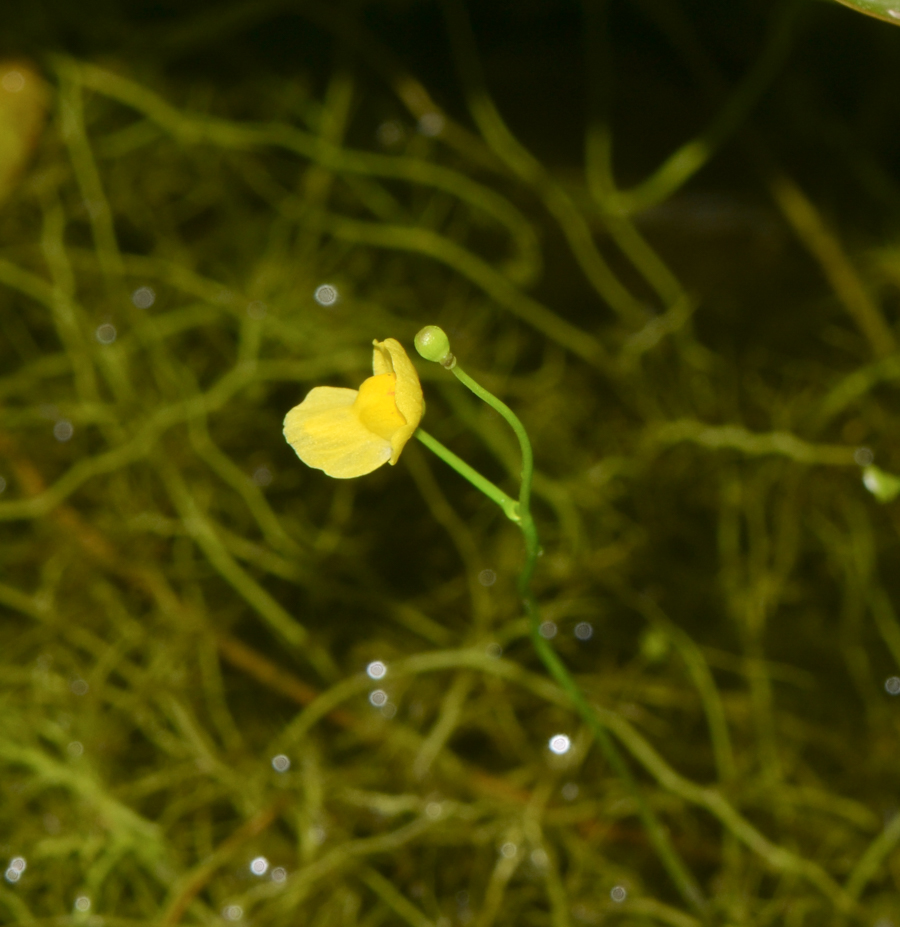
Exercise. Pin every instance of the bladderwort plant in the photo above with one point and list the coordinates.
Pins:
(348, 433)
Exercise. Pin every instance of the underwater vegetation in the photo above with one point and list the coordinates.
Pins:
(236, 689)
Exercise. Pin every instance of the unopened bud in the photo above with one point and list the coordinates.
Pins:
(434, 345)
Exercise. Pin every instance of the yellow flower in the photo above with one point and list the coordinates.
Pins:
(348, 432)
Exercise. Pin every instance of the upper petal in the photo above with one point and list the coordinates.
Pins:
(390, 357)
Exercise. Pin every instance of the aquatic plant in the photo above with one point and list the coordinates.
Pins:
(236, 689)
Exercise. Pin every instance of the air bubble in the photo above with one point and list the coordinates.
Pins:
(143, 297)
(560, 744)
(106, 333)
(326, 295)
(63, 430)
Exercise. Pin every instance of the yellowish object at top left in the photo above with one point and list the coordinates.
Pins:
(348, 432)
(24, 99)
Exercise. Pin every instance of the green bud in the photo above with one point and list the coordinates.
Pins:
(434, 345)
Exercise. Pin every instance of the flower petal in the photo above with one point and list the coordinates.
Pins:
(389, 357)
(327, 433)
(376, 406)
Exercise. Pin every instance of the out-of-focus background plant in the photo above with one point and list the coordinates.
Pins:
(667, 232)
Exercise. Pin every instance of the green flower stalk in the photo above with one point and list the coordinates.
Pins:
(433, 344)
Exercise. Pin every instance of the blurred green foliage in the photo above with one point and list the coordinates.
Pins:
(695, 316)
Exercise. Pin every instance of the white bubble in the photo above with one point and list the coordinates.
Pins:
(143, 297)
(232, 912)
(79, 687)
(618, 894)
(82, 904)
(12, 875)
(508, 850)
(259, 866)
(262, 476)
(559, 744)
(487, 577)
(279, 874)
(389, 133)
(431, 124)
(569, 791)
(106, 333)
(584, 630)
(433, 810)
(863, 456)
(75, 748)
(539, 858)
(18, 864)
(547, 630)
(281, 763)
(63, 430)
(257, 309)
(326, 295)
(892, 685)
(376, 670)
(389, 710)
(493, 649)
(13, 81)
(378, 697)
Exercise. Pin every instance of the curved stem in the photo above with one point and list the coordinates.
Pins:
(668, 856)
(495, 493)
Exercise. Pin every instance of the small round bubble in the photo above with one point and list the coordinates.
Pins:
(232, 912)
(262, 476)
(259, 866)
(13, 81)
(508, 850)
(892, 685)
(279, 874)
(431, 124)
(281, 763)
(569, 791)
(560, 744)
(863, 456)
(326, 295)
(539, 858)
(143, 297)
(83, 904)
(376, 670)
(378, 697)
(547, 630)
(75, 749)
(618, 894)
(18, 864)
(12, 875)
(106, 333)
(78, 687)
(487, 577)
(433, 810)
(584, 630)
(63, 430)
(389, 133)
(493, 649)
